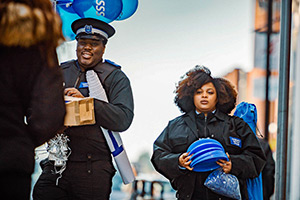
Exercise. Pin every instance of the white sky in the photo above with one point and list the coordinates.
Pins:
(162, 41)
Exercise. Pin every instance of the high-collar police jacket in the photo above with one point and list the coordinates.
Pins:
(246, 155)
(87, 141)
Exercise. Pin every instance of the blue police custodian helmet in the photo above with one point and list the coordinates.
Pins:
(89, 28)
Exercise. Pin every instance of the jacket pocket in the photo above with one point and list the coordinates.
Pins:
(232, 140)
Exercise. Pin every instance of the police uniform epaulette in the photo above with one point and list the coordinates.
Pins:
(66, 64)
(112, 63)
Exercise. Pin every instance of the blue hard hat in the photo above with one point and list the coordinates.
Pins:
(207, 161)
(203, 141)
(205, 152)
(203, 146)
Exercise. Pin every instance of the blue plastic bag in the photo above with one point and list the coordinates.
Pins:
(223, 184)
(248, 113)
(254, 188)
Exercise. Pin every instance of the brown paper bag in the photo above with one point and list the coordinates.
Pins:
(79, 111)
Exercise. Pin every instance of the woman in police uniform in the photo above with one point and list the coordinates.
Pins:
(206, 103)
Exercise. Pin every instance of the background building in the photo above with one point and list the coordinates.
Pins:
(252, 86)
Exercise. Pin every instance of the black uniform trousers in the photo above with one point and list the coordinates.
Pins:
(90, 180)
(15, 185)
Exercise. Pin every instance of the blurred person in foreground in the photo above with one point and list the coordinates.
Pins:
(89, 168)
(31, 104)
(206, 103)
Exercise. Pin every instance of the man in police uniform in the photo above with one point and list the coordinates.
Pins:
(89, 170)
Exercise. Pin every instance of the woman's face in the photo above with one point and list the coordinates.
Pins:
(205, 98)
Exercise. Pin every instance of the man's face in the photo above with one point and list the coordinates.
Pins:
(89, 52)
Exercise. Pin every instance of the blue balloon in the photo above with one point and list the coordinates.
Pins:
(63, 2)
(129, 8)
(68, 16)
(104, 10)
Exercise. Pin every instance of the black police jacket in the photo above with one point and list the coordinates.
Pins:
(247, 157)
(87, 142)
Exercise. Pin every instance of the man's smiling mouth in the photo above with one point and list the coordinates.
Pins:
(86, 55)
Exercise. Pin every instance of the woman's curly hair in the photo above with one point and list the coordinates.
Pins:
(226, 94)
(187, 86)
(27, 23)
(195, 79)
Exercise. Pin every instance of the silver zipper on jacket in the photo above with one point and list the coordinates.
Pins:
(205, 121)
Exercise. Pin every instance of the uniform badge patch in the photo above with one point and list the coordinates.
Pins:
(88, 29)
(83, 85)
(236, 141)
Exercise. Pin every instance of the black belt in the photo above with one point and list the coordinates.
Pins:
(91, 157)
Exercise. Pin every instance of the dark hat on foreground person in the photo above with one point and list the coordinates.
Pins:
(88, 28)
